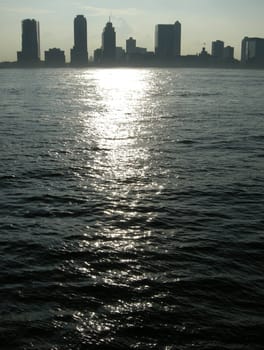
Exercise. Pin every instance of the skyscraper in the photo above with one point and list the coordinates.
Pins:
(131, 46)
(79, 53)
(252, 51)
(30, 53)
(218, 49)
(228, 53)
(177, 39)
(109, 43)
(168, 40)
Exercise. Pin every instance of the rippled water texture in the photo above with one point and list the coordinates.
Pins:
(131, 209)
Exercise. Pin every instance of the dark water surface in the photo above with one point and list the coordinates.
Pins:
(131, 209)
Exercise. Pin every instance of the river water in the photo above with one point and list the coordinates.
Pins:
(131, 209)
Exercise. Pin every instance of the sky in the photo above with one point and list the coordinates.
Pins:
(203, 21)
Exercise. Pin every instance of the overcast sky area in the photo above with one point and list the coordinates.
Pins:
(203, 21)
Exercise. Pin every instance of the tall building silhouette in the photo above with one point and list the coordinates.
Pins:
(79, 52)
(131, 46)
(252, 51)
(168, 40)
(229, 53)
(218, 49)
(30, 53)
(55, 57)
(177, 39)
(109, 43)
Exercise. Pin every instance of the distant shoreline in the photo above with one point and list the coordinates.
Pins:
(42, 65)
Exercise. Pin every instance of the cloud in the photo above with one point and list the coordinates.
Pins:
(24, 10)
(122, 26)
(105, 12)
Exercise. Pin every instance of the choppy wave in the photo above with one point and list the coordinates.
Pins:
(131, 209)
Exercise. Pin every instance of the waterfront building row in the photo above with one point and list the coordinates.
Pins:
(167, 47)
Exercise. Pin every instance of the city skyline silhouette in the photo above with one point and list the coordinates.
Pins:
(167, 49)
(202, 23)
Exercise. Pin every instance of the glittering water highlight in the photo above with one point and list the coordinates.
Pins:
(131, 206)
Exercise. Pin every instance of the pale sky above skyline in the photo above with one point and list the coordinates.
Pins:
(203, 21)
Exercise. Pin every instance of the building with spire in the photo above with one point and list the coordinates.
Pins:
(79, 52)
(109, 43)
(30, 53)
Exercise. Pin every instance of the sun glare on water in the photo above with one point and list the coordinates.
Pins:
(117, 123)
